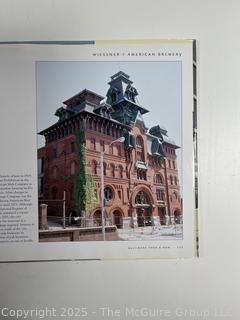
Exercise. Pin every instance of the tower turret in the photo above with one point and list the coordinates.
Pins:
(122, 97)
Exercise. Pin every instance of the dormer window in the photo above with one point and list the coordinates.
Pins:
(131, 96)
(140, 149)
(114, 97)
(131, 93)
(139, 142)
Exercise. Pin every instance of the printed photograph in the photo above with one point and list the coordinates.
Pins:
(109, 151)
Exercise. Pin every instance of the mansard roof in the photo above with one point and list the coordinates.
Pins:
(122, 95)
(83, 112)
(161, 133)
(63, 113)
(154, 146)
(158, 131)
(83, 96)
(125, 111)
(119, 75)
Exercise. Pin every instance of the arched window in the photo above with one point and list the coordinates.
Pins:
(111, 149)
(141, 174)
(119, 194)
(142, 198)
(159, 178)
(120, 169)
(171, 180)
(174, 164)
(112, 170)
(108, 193)
(160, 195)
(102, 146)
(93, 144)
(175, 196)
(169, 163)
(175, 180)
(140, 149)
(94, 167)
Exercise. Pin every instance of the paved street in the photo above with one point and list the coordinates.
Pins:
(172, 232)
(151, 233)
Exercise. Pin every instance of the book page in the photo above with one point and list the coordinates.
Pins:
(99, 156)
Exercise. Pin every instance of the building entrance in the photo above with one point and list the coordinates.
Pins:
(144, 210)
(97, 218)
(177, 216)
(162, 215)
(117, 219)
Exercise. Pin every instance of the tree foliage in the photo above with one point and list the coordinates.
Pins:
(84, 195)
(80, 182)
(91, 197)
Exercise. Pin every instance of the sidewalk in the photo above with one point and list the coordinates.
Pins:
(152, 233)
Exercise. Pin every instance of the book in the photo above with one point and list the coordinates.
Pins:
(99, 150)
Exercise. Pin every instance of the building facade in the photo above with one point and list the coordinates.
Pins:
(141, 184)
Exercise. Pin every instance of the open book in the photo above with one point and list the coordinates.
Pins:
(99, 150)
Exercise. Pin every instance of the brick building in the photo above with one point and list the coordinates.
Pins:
(141, 184)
